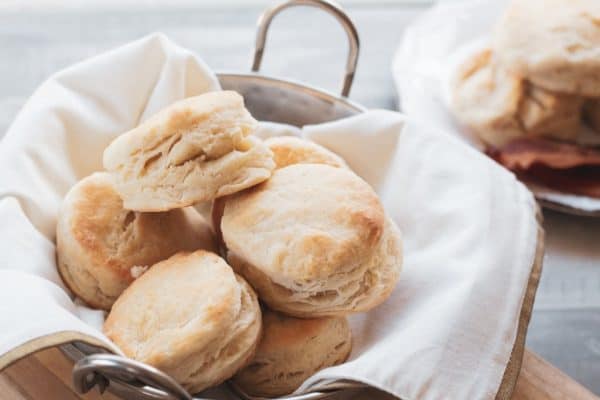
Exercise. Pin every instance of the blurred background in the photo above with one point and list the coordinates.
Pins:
(40, 37)
(20, 4)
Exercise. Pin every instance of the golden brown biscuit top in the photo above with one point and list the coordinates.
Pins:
(180, 117)
(282, 331)
(120, 239)
(288, 150)
(309, 221)
(484, 92)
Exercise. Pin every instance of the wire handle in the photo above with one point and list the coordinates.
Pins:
(105, 369)
(264, 21)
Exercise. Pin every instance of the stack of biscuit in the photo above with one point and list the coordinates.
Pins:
(296, 243)
(528, 95)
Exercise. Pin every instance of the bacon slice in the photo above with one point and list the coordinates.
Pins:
(584, 181)
(562, 166)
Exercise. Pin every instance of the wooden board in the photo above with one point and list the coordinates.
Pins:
(540, 380)
(47, 375)
(44, 375)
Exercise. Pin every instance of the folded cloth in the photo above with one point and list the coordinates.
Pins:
(469, 227)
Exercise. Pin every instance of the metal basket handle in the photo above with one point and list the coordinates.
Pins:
(139, 378)
(143, 381)
(264, 21)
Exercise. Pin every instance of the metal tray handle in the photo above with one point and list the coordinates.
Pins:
(144, 381)
(106, 369)
(265, 19)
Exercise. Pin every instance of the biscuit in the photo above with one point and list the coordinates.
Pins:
(313, 241)
(189, 316)
(102, 248)
(500, 107)
(288, 150)
(195, 150)
(555, 44)
(291, 351)
(550, 114)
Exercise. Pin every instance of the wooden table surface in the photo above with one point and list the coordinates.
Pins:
(565, 328)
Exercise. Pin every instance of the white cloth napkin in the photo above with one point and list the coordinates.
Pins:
(432, 48)
(469, 228)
